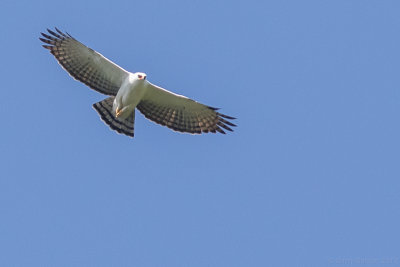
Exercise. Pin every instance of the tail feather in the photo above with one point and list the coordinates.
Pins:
(122, 126)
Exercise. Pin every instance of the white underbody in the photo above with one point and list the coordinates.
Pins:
(129, 95)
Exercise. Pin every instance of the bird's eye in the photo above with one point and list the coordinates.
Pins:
(140, 76)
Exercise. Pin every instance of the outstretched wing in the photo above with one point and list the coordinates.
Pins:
(181, 113)
(83, 63)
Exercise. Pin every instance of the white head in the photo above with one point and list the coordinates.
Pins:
(140, 76)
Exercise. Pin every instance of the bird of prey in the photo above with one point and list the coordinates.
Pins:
(128, 91)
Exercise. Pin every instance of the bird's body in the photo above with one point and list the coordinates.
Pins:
(129, 95)
(129, 91)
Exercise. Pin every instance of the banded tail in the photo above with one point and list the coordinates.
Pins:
(122, 126)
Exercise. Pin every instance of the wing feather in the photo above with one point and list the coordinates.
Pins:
(83, 63)
(182, 114)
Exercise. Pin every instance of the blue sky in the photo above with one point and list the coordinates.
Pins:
(310, 177)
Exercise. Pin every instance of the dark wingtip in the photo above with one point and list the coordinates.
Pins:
(55, 34)
(212, 108)
(226, 116)
(220, 130)
(66, 35)
(47, 41)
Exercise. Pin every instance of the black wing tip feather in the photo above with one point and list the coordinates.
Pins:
(220, 114)
(222, 122)
(226, 116)
(213, 108)
(64, 34)
(54, 36)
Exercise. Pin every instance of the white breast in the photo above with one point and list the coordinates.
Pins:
(129, 95)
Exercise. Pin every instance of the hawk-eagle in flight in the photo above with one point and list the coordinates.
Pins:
(128, 91)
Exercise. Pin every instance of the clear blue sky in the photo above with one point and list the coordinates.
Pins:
(310, 177)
